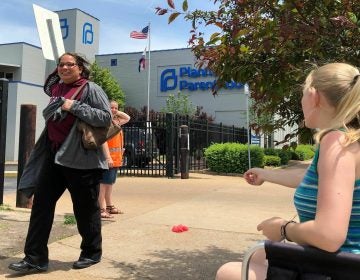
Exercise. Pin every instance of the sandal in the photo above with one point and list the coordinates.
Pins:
(113, 210)
(105, 215)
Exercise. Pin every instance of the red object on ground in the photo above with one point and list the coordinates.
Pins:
(179, 228)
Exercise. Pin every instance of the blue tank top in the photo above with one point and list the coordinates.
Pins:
(305, 199)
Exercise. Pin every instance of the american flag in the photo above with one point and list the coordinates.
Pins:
(140, 35)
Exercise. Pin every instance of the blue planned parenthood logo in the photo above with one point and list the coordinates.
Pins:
(192, 79)
(88, 34)
(64, 28)
(168, 80)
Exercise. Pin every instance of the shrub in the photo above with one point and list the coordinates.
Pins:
(272, 160)
(304, 152)
(232, 157)
(285, 156)
(271, 151)
(294, 156)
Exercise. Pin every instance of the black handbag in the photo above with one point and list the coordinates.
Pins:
(93, 137)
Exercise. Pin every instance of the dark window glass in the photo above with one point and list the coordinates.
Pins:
(113, 62)
(9, 76)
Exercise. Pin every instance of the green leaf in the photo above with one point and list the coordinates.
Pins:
(352, 17)
(172, 17)
(214, 36)
(244, 48)
(240, 33)
(185, 5)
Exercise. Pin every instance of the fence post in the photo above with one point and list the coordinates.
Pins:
(176, 145)
(3, 120)
(222, 133)
(233, 133)
(26, 144)
(207, 133)
(169, 145)
(184, 151)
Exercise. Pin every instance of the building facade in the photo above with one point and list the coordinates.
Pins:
(26, 69)
(166, 72)
(171, 72)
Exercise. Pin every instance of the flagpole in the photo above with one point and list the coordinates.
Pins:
(148, 82)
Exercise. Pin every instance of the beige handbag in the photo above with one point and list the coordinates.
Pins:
(93, 137)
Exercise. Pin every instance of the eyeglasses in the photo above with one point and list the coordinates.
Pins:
(67, 64)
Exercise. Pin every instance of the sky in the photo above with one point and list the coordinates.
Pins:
(117, 19)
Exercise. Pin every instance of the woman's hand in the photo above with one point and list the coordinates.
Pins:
(110, 162)
(271, 228)
(67, 104)
(254, 176)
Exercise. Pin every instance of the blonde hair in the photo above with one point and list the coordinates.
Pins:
(340, 85)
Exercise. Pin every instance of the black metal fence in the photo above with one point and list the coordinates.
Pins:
(152, 148)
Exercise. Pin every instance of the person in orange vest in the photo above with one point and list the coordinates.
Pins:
(113, 150)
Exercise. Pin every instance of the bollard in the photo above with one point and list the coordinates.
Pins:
(26, 144)
(184, 151)
(3, 120)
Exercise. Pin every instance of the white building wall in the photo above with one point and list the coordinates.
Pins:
(280, 134)
(134, 84)
(30, 70)
(131, 81)
(32, 65)
(12, 125)
(25, 88)
(11, 53)
(27, 94)
(80, 32)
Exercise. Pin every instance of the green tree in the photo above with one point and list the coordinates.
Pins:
(272, 45)
(106, 80)
(179, 104)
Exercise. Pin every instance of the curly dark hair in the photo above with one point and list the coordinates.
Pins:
(81, 61)
(54, 78)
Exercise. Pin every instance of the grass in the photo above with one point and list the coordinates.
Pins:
(69, 219)
(2, 226)
(5, 207)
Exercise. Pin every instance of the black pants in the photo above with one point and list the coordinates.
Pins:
(83, 186)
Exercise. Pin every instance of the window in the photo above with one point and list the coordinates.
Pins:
(9, 76)
(113, 62)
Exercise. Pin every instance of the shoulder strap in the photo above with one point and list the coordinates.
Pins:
(78, 90)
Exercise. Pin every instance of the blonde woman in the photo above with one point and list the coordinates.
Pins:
(113, 150)
(327, 196)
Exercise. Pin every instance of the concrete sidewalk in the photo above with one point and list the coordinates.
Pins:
(221, 212)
